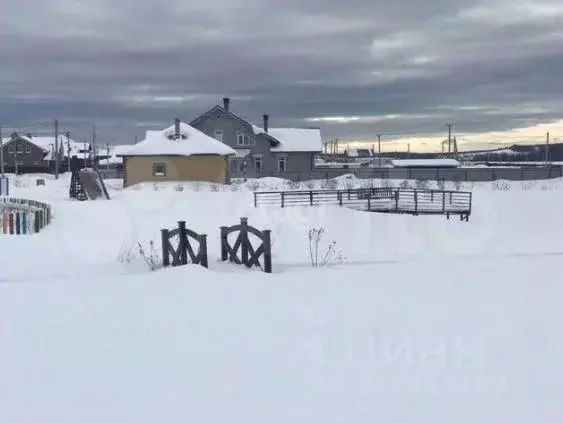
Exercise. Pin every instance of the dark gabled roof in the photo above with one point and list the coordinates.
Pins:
(273, 141)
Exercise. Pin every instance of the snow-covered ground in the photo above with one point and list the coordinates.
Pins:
(426, 320)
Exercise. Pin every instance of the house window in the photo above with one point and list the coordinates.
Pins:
(282, 163)
(219, 135)
(20, 148)
(258, 163)
(243, 139)
(28, 149)
(11, 148)
(159, 169)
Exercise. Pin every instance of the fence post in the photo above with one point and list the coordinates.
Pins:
(24, 220)
(369, 203)
(18, 223)
(266, 242)
(164, 240)
(244, 240)
(203, 251)
(282, 198)
(443, 201)
(182, 242)
(311, 197)
(36, 227)
(11, 223)
(339, 195)
(255, 200)
(415, 201)
(224, 243)
(397, 200)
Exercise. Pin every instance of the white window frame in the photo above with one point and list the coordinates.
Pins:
(219, 135)
(258, 158)
(243, 139)
(282, 158)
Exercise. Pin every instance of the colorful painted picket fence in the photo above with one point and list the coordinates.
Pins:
(19, 216)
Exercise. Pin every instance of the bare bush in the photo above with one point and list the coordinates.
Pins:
(234, 187)
(253, 185)
(179, 187)
(386, 183)
(405, 184)
(441, 183)
(126, 255)
(310, 184)
(329, 184)
(196, 186)
(332, 255)
(215, 188)
(293, 185)
(421, 184)
(529, 185)
(501, 186)
(150, 255)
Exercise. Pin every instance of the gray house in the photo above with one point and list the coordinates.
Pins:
(21, 153)
(30, 153)
(260, 151)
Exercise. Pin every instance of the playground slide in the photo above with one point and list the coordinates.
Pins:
(93, 184)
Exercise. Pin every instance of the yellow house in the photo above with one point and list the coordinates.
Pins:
(178, 153)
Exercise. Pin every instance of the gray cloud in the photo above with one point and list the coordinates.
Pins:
(483, 65)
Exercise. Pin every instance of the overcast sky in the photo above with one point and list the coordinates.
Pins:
(355, 68)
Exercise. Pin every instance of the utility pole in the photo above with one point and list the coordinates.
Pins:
(547, 148)
(449, 126)
(1, 153)
(379, 149)
(56, 149)
(67, 133)
(16, 156)
(94, 149)
(108, 156)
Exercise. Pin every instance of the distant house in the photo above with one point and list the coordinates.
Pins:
(29, 153)
(177, 153)
(110, 160)
(260, 151)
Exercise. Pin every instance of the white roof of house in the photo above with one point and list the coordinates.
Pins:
(193, 142)
(294, 139)
(115, 153)
(425, 163)
(47, 144)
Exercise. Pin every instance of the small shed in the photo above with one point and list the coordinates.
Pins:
(177, 153)
(425, 163)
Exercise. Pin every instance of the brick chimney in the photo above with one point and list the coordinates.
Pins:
(226, 102)
(265, 121)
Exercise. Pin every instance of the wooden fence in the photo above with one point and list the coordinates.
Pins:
(384, 200)
(248, 255)
(184, 253)
(20, 216)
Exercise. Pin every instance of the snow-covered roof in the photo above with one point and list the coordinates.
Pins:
(191, 142)
(425, 163)
(294, 139)
(47, 144)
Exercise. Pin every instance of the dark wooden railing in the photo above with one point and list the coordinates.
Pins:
(385, 200)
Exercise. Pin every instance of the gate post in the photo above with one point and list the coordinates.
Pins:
(164, 239)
